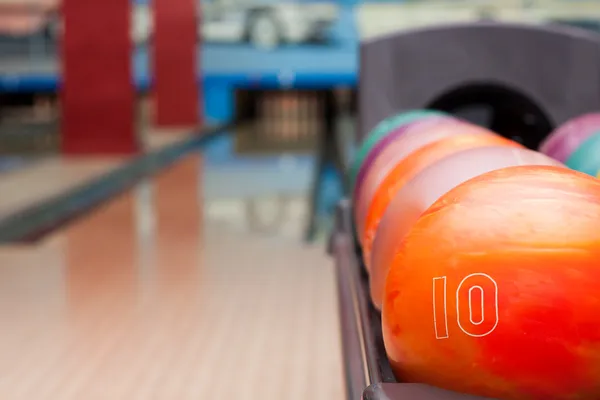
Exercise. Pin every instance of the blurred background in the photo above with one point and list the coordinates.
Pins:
(242, 43)
(288, 69)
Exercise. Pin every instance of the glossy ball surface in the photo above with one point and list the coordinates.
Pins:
(410, 166)
(427, 187)
(399, 149)
(495, 291)
(586, 158)
(422, 123)
(381, 131)
(565, 139)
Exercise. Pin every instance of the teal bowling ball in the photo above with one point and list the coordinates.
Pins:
(380, 132)
(586, 158)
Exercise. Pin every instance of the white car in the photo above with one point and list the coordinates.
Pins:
(266, 25)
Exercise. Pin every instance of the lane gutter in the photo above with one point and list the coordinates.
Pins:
(33, 223)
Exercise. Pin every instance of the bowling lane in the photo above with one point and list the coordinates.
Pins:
(48, 178)
(150, 297)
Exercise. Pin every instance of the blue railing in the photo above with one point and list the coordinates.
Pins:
(17, 83)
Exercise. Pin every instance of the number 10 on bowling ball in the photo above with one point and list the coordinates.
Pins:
(476, 305)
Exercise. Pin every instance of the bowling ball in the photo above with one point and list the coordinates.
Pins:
(380, 131)
(391, 137)
(415, 138)
(495, 289)
(410, 166)
(425, 188)
(586, 158)
(563, 141)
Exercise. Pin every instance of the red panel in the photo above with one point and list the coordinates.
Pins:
(176, 92)
(98, 94)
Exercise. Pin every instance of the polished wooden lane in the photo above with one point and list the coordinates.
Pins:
(150, 297)
(46, 179)
(24, 187)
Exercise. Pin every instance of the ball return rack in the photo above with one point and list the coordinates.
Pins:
(368, 375)
(450, 67)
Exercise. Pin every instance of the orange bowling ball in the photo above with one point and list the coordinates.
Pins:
(495, 291)
(407, 168)
(425, 188)
(413, 139)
